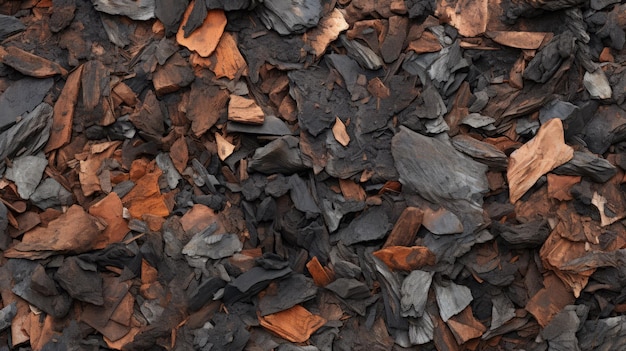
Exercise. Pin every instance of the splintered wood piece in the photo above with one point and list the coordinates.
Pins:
(88, 176)
(443, 338)
(377, 88)
(326, 31)
(94, 79)
(550, 300)
(126, 94)
(520, 40)
(295, 324)
(29, 64)
(179, 153)
(543, 153)
(224, 147)
(465, 326)
(73, 232)
(146, 198)
(198, 219)
(204, 39)
(559, 186)
(406, 258)
(441, 221)
(352, 190)
(340, 133)
(126, 339)
(406, 227)
(149, 274)
(428, 42)
(318, 273)
(41, 332)
(469, 17)
(205, 105)
(63, 117)
(243, 110)
(600, 202)
(124, 311)
(110, 209)
(227, 60)
(19, 324)
(516, 79)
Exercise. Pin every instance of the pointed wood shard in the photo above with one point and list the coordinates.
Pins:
(520, 40)
(30, 64)
(326, 32)
(63, 116)
(224, 147)
(203, 40)
(546, 151)
(295, 324)
(340, 133)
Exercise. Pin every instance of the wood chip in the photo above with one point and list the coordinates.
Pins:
(326, 31)
(227, 60)
(244, 110)
(318, 272)
(146, 198)
(180, 154)
(352, 190)
(559, 186)
(205, 39)
(546, 151)
(224, 147)
(520, 40)
(469, 23)
(111, 210)
(340, 133)
(406, 227)
(29, 64)
(295, 324)
(406, 258)
(465, 326)
(550, 300)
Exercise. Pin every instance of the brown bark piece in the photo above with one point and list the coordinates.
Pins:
(559, 186)
(224, 147)
(94, 79)
(205, 105)
(244, 110)
(295, 324)
(550, 300)
(146, 198)
(179, 153)
(110, 209)
(175, 74)
(406, 258)
(126, 94)
(406, 227)
(377, 88)
(465, 326)
(469, 17)
(352, 190)
(520, 40)
(89, 181)
(63, 117)
(199, 218)
(73, 232)
(326, 31)
(340, 133)
(204, 39)
(546, 151)
(149, 118)
(227, 60)
(318, 273)
(29, 64)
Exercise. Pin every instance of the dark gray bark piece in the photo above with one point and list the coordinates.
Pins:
(228, 5)
(5, 239)
(149, 119)
(549, 59)
(196, 17)
(272, 125)
(213, 246)
(302, 198)
(165, 49)
(436, 171)
(372, 224)
(279, 156)
(432, 106)
(524, 235)
(287, 17)
(22, 97)
(334, 206)
(26, 172)
(229, 334)
(204, 292)
(42, 282)
(6, 315)
(482, 152)
(393, 43)
(574, 117)
(415, 293)
(365, 56)
(140, 10)
(348, 288)
(589, 165)
(51, 193)
(607, 126)
(251, 282)
(164, 161)
(81, 284)
(421, 330)
(349, 71)
(62, 14)
(502, 311)
(21, 269)
(603, 334)
(561, 332)
(451, 299)
(391, 291)
(9, 25)
(118, 32)
(170, 13)
(291, 291)
(442, 222)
